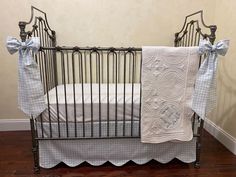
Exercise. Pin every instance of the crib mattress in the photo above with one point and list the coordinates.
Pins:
(96, 130)
(67, 103)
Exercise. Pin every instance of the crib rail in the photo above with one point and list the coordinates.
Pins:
(108, 62)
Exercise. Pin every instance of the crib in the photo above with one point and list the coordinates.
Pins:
(93, 94)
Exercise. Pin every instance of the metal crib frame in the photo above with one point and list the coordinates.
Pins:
(50, 55)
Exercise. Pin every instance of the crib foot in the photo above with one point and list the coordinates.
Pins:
(197, 165)
(36, 170)
(36, 160)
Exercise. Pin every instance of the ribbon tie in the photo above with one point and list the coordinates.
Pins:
(30, 90)
(24, 48)
(204, 97)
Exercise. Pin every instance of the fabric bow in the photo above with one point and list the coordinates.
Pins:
(204, 97)
(30, 90)
(14, 45)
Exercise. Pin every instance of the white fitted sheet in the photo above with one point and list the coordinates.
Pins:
(69, 107)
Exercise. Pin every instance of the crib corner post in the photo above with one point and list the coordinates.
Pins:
(35, 147)
(198, 144)
(176, 39)
(54, 43)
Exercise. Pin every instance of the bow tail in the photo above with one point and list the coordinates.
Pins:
(211, 99)
(31, 96)
(204, 93)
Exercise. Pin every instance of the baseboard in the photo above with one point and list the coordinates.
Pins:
(14, 124)
(221, 135)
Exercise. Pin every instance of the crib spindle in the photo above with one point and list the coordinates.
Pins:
(99, 95)
(108, 102)
(132, 97)
(82, 90)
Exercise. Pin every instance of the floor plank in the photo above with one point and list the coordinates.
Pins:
(16, 161)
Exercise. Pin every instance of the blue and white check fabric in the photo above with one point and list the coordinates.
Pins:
(30, 90)
(204, 97)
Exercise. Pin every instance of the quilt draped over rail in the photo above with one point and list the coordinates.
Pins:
(204, 97)
(168, 76)
(30, 90)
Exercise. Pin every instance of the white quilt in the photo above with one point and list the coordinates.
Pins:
(168, 76)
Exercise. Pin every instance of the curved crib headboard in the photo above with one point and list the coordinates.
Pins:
(40, 28)
(193, 30)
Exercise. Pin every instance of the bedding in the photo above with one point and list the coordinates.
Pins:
(168, 76)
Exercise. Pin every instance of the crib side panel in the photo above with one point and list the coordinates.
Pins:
(97, 93)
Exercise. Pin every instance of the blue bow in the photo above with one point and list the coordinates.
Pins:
(32, 44)
(30, 90)
(204, 96)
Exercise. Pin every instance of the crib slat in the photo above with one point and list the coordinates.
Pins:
(73, 75)
(189, 33)
(65, 92)
(108, 104)
(47, 95)
(85, 66)
(53, 66)
(119, 66)
(116, 79)
(102, 64)
(195, 38)
(129, 61)
(132, 104)
(183, 40)
(124, 93)
(82, 89)
(91, 91)
(99, 94)
(192, 34)
(49, 58)
(140, 94)
(56, 90)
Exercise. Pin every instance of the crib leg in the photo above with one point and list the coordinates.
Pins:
(35, 147)
(197, 162)
(198, 145)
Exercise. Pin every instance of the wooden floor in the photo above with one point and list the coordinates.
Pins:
(16, 161)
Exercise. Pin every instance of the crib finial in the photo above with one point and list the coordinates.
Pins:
(23, 34)
(212, 36)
